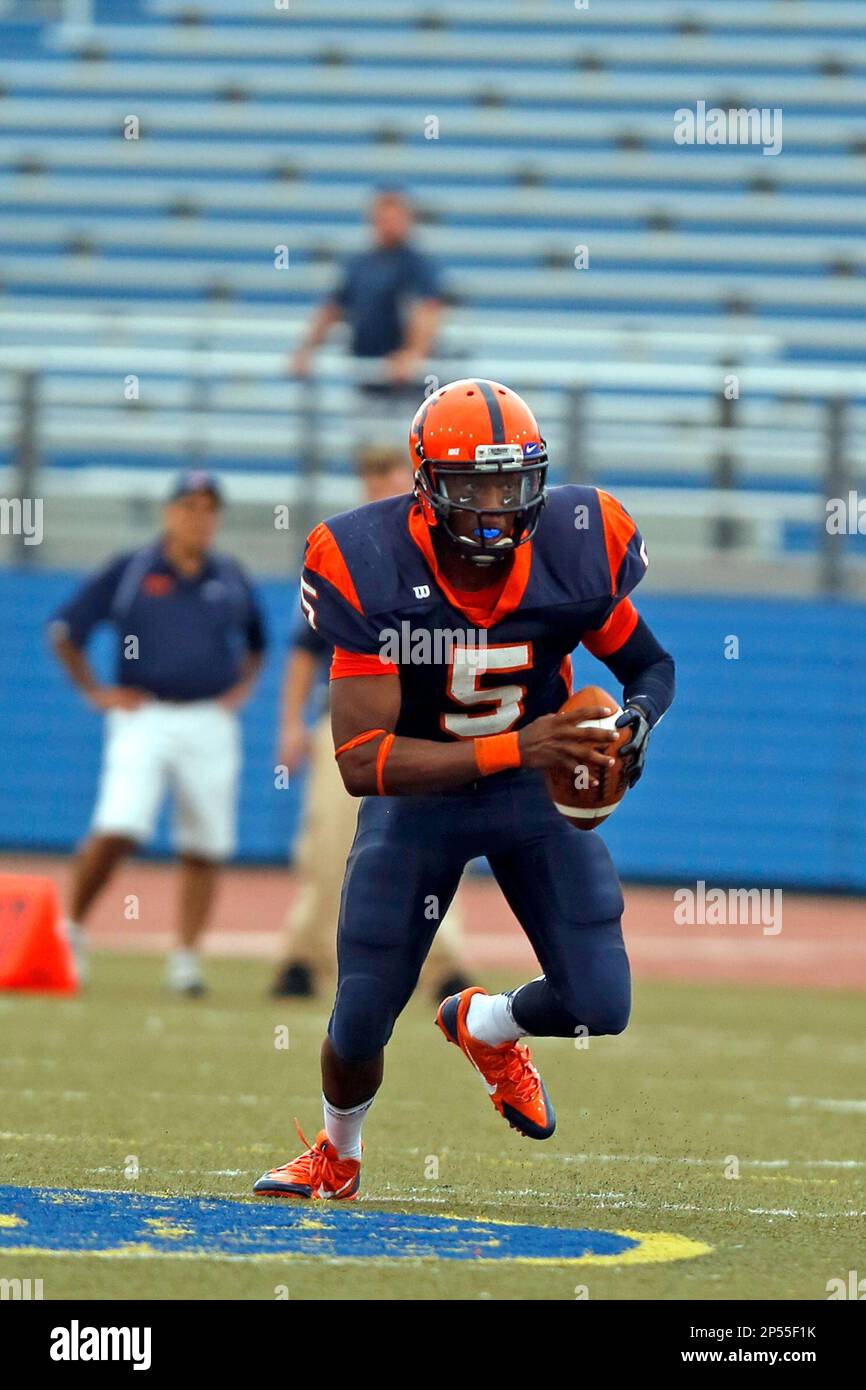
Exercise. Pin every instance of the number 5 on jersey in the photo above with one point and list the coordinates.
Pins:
(468, 665)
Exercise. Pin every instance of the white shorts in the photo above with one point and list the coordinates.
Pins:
(191, 751)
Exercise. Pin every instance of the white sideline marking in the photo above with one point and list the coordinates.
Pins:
(180, 1172)
(124, 1143)
(46, 1062)
(590, 1198)
(838, 1107)
(599, 1201)
(39, 1138)
(663, 1158)
(709, 1162)
(27, 1093)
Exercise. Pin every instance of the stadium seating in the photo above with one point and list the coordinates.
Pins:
(552, 127)
(555, 130)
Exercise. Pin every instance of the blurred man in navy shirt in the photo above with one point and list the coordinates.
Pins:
(391, 298)
(190, 642)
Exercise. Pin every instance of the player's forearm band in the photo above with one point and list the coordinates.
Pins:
(496, 753)
(357, 741)
(381, 758)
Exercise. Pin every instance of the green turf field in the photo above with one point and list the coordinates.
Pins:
(201, 1097)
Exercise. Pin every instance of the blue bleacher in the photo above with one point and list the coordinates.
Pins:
(537, 110)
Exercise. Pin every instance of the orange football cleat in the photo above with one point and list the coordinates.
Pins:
(316, 1174)
(510, 1079)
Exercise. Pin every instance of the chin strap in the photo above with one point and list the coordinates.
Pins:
(428, 511)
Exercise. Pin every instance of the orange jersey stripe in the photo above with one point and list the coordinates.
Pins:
(324, 557)
(479, 604)
(618, 531)
(616, 631)
(480, 613)
(345, 663)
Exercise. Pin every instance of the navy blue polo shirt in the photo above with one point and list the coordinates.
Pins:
(192, 634)
(306, 639)
(375, 291)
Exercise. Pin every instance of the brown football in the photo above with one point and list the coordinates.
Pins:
(583, 805)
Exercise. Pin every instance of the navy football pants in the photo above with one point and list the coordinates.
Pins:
(403, 870)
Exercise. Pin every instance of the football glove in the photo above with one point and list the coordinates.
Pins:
(635, 750)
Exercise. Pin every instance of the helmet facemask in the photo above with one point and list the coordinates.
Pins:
(500, 486)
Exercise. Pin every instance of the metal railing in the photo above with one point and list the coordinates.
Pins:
(724, 454)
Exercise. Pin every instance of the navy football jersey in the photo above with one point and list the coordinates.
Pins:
(472, 665)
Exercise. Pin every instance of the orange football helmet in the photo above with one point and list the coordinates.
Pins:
(480, 467)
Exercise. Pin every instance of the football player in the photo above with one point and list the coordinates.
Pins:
(447, 741)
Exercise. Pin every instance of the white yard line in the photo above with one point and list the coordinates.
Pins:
(686, 1159)
(838, 1107)
(596, 1201)
(545, 1202)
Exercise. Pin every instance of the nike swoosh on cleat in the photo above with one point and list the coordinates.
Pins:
(491, 1090)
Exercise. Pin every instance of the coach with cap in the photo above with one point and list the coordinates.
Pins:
(189, 646)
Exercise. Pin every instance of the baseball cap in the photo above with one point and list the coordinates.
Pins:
(196, 480)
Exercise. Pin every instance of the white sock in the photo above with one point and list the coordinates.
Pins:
(343, 1127)
(74, 934)
(490, 1020)
(183, 968)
